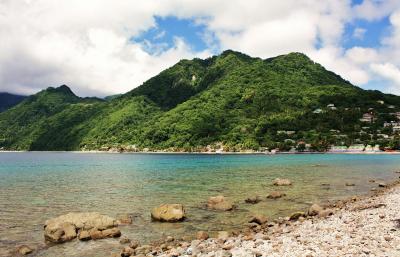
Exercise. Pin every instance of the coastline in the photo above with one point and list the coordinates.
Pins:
(205, 153)
(358, 226)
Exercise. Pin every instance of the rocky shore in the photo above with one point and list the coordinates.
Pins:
(367, 226)
(358, 226)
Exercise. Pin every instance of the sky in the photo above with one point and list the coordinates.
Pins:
(106, 47)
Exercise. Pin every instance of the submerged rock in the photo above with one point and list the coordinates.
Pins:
(297, 215)
(202, 235)
(124, 219)
(224, 235)
(282, 182)
(259, 219)
(24, 250)
(65, 227)
(253, 199)
(219, 203)
(275, 195)
(168, 213)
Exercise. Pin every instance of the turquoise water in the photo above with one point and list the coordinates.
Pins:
(37, 186)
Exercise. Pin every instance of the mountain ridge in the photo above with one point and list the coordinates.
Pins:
(230, 100)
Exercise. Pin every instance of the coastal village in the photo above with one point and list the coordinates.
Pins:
(378, 131)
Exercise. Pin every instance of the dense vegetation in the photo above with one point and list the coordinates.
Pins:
(232, 101)
(9, 100)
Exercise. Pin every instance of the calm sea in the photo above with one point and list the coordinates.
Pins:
(37, 186)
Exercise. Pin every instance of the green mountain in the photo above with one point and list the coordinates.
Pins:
(8, 100)
(232, 100)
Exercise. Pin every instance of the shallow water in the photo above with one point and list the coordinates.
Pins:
(38, 186)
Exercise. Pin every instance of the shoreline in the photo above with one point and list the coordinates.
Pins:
(209, 153)
(355, 223)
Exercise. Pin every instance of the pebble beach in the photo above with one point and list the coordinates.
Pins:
(365, 227)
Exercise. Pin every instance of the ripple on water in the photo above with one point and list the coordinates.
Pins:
(38, 186)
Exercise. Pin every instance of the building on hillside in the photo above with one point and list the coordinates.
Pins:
(372, 149)
(367, 117)
(337, 149)
(391, 106)
(286, 132)
(380, 102)
(396, 128)
(331, 106)
(356, 148)
(391, 124)
(317, 111)
(397, 114)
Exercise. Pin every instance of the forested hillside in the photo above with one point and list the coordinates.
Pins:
(231, 101)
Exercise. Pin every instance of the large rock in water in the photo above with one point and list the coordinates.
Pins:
(65, 227)
(168, 213)
(219, 203)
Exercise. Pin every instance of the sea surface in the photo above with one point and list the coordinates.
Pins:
(37, 186)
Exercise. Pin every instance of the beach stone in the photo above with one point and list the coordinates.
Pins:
(350, 184)
(24, 250)
(64, 227)
(314, 210)
(59, 233)
(125, 219)
(96, 234)
(275, 195)
(382, 184)
(297, 215)
(168, 213)
(224, 235)
(124, 240)
(219, 203)
(253, 199)
(111, 232)
(282, 182)
(325, 213)
(127, 251)
(84, 235)
(202, 235)
(259, 219)
(134, 244)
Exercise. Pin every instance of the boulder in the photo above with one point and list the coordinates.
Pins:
(253, 199)
(219, 203)
(325, 213)
(202, 235)
(24, 250)
(134, 244)
(60, 233)
(314, 210)
(382, 184)
(282, 182)
(350, 184)
(259, 219)
(127, 251)
(124, 219)
(168, 213)
(224, 235)
(297, 215)
(64, 228)
(275, 195)
(111, 232)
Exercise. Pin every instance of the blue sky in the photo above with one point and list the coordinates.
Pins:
(104, 47)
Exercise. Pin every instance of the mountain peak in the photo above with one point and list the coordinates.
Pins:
(63, 89)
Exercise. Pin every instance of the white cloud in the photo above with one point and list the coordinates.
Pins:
(87, 44)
